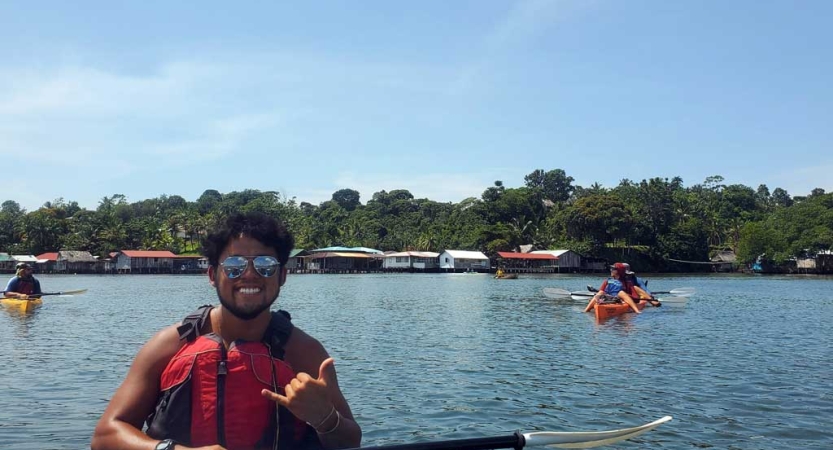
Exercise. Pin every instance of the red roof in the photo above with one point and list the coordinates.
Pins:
(513, 255)
(149, 253)
(51, 256)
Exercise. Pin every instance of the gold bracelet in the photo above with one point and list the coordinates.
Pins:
(338, 422)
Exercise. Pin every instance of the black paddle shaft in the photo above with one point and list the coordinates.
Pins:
(515, 441)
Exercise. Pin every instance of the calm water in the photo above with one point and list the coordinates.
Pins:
(746, 365)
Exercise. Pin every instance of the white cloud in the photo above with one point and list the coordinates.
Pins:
(87, 118)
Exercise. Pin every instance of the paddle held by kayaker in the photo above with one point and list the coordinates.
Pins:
(234, 376)
(23, 284)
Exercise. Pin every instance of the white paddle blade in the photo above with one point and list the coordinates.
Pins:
(76, 292)
(683, 291)
(588, 439)
(673, 301)
(581, 295)
(556, 293)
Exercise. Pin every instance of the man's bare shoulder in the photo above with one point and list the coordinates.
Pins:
(304, 353)
(160, 348)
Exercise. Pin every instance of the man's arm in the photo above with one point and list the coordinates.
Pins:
(120, 427)
(307, 356)
(11, 288)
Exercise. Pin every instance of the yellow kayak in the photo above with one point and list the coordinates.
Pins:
(21, 305)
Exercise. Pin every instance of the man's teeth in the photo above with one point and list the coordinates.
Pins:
(249, 290)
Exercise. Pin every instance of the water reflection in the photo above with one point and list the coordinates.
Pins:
(21, 321)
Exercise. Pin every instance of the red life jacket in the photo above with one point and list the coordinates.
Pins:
(25, 286)
(210, 395)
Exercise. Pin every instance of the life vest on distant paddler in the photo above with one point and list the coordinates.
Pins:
(210, 395)
(25, 286)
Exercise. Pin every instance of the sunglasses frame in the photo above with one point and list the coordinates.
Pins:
(249, 260)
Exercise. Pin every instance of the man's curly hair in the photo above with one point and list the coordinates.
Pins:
(265, 229)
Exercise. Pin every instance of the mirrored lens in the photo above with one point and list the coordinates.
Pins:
(234, 266)
(266, 265)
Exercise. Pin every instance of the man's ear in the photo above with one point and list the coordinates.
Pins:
(212, 275)
(283, 275)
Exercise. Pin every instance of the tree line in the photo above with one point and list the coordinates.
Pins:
(652, 221)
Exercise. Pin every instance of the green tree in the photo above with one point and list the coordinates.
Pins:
(347, 199)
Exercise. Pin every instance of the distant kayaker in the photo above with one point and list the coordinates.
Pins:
(615, 286)
(23, 284)
(237, 375)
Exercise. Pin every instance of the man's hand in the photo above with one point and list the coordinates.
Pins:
(306, 397)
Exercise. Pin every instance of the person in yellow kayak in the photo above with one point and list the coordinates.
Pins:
(23, 284)
(237, 375)
(616, 286)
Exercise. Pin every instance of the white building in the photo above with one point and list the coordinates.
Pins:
(463, 260)
(411, 260)
(565, 259)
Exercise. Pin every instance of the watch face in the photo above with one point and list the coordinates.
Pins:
(167, 444)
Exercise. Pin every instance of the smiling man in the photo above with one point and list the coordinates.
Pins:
(235, 376)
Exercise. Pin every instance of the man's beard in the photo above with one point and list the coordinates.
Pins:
(240, 313)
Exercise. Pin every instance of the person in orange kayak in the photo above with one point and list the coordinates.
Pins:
(235, 376)
(615, 286)
(640, 287)
(23, 285)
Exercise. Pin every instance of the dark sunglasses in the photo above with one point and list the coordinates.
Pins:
(265, 266)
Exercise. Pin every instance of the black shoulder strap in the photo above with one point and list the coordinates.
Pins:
(193, 323)
(277, 335)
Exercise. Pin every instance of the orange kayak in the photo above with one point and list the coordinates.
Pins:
(608, 310)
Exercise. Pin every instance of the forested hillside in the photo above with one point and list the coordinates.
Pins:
(651, 220)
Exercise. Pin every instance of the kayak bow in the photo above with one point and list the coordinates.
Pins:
(21, 304)
(608, 310)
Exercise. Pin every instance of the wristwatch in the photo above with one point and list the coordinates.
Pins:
(167, 444)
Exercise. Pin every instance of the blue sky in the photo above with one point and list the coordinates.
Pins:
(438, 97)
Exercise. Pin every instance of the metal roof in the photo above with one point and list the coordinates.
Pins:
(76, 256)
(347, 249)
(466, 254)
(48, 256)
(513, 255)
(555, 253)
(320, 255)
(413, 253)
(148, 254)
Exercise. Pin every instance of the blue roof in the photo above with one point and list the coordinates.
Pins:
(347, 249)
